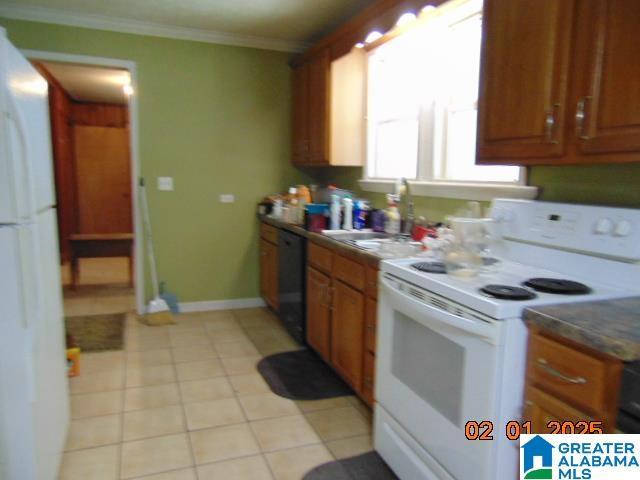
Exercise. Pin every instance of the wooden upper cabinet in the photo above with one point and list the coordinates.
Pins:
(310, 111)
(606, 98)
(300, 115)
(318, 109)
(524, 75)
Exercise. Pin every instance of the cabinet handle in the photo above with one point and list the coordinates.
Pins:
(581, 117)
(370, 327)
(550, 124)
(542, 363)
(368, 382)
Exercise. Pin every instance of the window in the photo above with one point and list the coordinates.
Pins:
(422, 101)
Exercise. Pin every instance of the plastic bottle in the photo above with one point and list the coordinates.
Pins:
(347, 223)
(334, 223)
(360, 213)
(392, 214)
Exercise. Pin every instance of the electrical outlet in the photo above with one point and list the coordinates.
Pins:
(165, 184)
(227, 198)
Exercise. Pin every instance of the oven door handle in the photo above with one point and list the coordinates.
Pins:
(434, 318)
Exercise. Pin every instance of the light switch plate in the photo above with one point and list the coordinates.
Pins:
(227, 198)
(165, 184)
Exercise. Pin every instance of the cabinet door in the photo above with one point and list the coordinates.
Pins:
(371, 325)
(264, 265)
(523, 84)
(318, 313)
(347, 325)
(300, 115)
(368, 382)
(607, 71)
(541, 409)
(318, 109)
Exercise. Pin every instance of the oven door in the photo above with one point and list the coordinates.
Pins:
(437, 370)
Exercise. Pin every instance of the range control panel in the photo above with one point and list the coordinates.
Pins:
(603, 231)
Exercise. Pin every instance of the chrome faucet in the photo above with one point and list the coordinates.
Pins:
(409, 216)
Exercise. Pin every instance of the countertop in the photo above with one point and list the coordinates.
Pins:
(364, 256)
(610, 326)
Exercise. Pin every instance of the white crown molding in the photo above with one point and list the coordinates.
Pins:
(207, 306)
(137, 27)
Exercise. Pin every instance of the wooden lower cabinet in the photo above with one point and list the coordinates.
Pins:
(370, 325)
(369, 378)
(541, 408)
(319, 312)
(569, 382)
(269, 273)
(347, 333)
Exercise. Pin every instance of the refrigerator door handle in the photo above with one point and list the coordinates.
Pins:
(31, 294)
(22, 163)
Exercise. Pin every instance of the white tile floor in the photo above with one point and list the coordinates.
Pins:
(185, 402)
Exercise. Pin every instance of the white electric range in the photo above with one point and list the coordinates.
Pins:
(453, 350)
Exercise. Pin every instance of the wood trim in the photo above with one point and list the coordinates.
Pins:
(382, 15)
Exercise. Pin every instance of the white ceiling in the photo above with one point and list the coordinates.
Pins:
(90, 84)
(278, 24)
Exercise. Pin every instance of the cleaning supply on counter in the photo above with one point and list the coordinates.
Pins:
(347, 216)
(277, 212)
(361, 211)
(316, 217)
(392, 215)
(378, 218)
(334, 224)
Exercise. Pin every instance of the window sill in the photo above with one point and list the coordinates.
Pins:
(462, 191)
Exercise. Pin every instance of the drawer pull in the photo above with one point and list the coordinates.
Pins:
(542, 363)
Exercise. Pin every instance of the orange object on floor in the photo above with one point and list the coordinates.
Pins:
(73, 362)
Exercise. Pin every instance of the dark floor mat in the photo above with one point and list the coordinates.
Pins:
(368, 466)
(97, 333)
(301, 375)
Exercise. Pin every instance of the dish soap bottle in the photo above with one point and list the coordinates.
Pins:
(392, 214)
(334, 223)
(347, 223)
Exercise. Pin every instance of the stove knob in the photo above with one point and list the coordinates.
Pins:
(623, 228)
(603, 226)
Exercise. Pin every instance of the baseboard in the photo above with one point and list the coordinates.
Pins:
(235, 303)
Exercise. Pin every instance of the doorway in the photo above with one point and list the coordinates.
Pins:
(93, 127)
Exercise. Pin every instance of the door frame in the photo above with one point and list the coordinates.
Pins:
(134, 147)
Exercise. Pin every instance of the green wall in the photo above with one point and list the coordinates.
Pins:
(216, 118)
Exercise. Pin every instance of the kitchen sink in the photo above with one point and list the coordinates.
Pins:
(344, 236)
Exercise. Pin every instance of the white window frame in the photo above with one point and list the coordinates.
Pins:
(427, 184)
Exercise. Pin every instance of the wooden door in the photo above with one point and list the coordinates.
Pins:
(318, 108)
(523, 81)
(269, 273)
(103, 179)
(300, 115)
(371, 325)
(347, 325)
(369, 379)
(319, 313)
(607, 78)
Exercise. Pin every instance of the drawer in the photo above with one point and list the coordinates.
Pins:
(319, 257)
(350, 272)
(269, 233)
(370, 325)
(579, 379)
(369, 379)
(371, 288)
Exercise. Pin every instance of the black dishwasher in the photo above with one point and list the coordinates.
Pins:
(292, 256)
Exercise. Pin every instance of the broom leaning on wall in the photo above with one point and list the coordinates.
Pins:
(157, 311)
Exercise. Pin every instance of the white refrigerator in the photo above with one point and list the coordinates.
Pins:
(34, 402)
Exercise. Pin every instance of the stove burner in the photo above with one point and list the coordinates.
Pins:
(556, 285)
(507, 292)
(430, 267)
